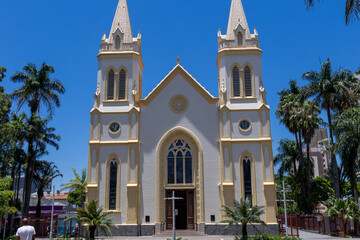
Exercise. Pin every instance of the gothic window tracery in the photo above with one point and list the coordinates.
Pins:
(179, 163)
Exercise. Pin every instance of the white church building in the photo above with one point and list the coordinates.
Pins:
(209, 150)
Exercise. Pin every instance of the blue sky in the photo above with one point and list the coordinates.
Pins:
(67, 33)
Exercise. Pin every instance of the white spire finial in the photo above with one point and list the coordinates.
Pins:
(122, 21)
(236, 16)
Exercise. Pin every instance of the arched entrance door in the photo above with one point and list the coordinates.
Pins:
(180, 178)
(180, 170)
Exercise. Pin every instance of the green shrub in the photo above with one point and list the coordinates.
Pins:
(13, 237)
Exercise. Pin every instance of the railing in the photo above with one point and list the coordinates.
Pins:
(316, 223)
(231, 44)
(124, 47)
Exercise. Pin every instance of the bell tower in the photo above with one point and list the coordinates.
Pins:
(120, 64)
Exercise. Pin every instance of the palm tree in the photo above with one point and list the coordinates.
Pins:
(94, 218)
(243, 213)
(77, 183)
(287, 157)
(37, 88)
(348, 208)
(327, 87)
(352, 9)
(45, 173)
(347, 132)
(309, 121)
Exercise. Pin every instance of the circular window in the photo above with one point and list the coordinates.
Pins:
(244, 125)
(178, 104)
(114, 127)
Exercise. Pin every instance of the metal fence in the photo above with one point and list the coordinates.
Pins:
(61, 228)
(334, 226)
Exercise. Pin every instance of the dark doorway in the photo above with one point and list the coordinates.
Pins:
(184, 209)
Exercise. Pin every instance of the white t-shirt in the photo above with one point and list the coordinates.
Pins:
(25, 232)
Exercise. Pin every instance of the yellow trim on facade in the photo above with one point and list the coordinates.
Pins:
(246, 140)
(121, 54)
(244, 130)
(161, 168)
(108, 127)
(238, 51)
(93, 142)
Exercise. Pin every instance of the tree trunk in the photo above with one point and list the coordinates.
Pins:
(308, 178)
(354, 186)
(244, 231)
(334, 166)
(301, 175)
(40, 195)
(92, 232)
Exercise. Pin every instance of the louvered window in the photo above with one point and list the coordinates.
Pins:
(110, 85)
(236, 82)
(239, 39)
(247, 73)
(117, 42)
(112, 184)
(122, 84)
(247, 177)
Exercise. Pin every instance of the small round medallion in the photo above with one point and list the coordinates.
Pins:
(114, 127)
(178, 104)
(244, 125)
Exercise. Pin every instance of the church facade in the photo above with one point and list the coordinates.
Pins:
(208, 150)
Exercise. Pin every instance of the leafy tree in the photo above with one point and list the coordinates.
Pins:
(348, 208)
(94, 218)
(77, 184)
(76, 197)
(347, 132)
(321, 190)
(243, 213)
(328, 88)
(46, 172)
(287, 157)
(5, 197)
(352, 9)
(37, 88)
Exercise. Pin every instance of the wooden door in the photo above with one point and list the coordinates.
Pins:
(190, 209)
(168, 211)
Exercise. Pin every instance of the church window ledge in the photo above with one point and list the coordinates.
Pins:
(112, 211)
(115, 101)
(180, 186)
(239, 99)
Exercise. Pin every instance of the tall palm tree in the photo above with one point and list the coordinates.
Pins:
(310, 121)
(77, 183)
(243, 213)
(327, 87)
(46, 172)
(287, 157)
(94, 218)
(352, 9)
(347, 132)
(37, 89)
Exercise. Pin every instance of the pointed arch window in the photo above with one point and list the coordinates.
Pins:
(236, 82)
(247, 75)
(117, 42)
(247, 177)
(110, 85)
(122, 84)
(113, 170)
(179, 163)
(239, 39)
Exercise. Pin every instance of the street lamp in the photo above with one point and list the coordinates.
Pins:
(284, 196)
(173, 198)
(52, 213)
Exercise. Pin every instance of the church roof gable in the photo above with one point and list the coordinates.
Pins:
(178, 69)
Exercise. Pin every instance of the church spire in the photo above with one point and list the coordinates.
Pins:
(236, 17)
(122, 22)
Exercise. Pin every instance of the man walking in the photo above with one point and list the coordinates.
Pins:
(26, 232)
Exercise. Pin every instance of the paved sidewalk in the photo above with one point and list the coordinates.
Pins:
(314, 236)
